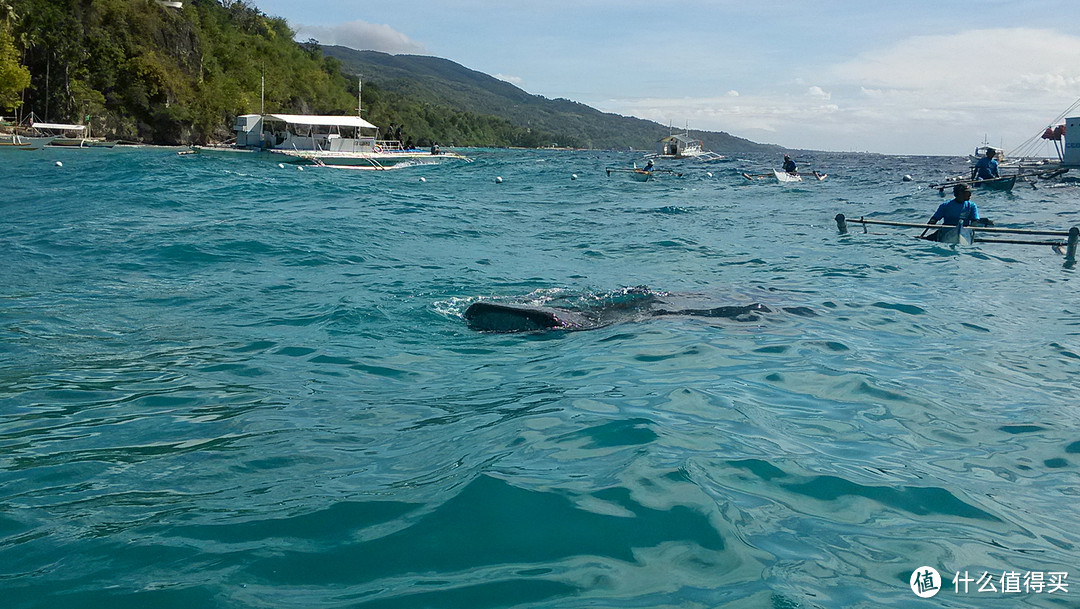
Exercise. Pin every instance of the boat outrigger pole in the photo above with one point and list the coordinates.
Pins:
(1072, 235)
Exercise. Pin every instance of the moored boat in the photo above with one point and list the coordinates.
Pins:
(63, 134)
(15, 140)
(93, 142)
(329, 141)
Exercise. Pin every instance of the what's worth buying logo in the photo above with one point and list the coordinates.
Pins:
(925, 582)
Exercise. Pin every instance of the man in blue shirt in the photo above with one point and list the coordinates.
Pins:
(959, 211)
(789, 166)
(986, 168)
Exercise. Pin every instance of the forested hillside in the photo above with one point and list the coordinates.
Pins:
(435, 81)
(144, 70)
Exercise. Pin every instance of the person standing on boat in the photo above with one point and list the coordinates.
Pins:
(790, 166)
(959, 211)
(649, 166)
(986, 168)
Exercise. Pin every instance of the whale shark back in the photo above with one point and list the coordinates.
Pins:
(504, 318)
(495, 317)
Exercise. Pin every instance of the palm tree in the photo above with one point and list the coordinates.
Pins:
(7, 13)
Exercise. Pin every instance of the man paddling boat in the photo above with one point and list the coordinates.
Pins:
(958, 211)
(790, 167)
(986, 168)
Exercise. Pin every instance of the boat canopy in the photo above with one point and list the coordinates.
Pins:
(681, 138)
(323, 121)
(58, 126)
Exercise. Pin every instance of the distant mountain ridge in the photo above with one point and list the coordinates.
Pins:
(444, 83)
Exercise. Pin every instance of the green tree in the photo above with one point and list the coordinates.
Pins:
(14, 77)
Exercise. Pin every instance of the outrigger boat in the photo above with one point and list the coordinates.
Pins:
(326, 141)
(1005, 183)
(968, 235)
(682, 146)
(783, 176)
(63, 134)
(641, 175)
(14, 140)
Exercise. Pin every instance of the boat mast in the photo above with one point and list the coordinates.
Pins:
(359, 100)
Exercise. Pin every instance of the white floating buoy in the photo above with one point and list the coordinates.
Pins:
(498, 179)
(908, 178)
(299, 168)
(708, 173)
(423, 179)
(281, 165)
(59, 164)
(573, 176)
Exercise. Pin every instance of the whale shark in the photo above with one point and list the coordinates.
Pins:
(634, 305)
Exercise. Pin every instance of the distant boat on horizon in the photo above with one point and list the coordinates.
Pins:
(683, 146)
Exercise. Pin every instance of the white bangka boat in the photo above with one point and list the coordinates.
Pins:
(326, 141)
(63, 134)
(682, 146)
(332, 141)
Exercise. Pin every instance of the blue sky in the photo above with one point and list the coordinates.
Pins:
(906, 77)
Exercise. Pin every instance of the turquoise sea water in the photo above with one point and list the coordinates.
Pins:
(228, 384)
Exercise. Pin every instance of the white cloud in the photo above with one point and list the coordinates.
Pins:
(733, 93)
(734, 114)
(362, 36)
(976, 59)
(1007, 82)
(937, 94)
(514, 80)
(980, 73)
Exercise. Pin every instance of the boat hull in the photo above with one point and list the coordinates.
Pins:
(956, 235)
(23, 142)
(1005, 183)
(638, 175)
(68, 142)
(373, 160)
(997, 183)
